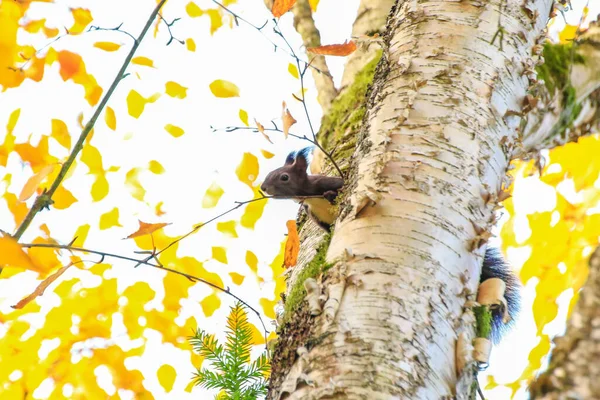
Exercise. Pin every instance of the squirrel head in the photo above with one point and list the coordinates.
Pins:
(291, 179)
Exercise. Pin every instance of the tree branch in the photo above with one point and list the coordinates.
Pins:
(45, 199)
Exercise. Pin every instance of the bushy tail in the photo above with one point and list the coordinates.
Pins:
(494, 266)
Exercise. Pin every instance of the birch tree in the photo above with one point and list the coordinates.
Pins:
(450, 106)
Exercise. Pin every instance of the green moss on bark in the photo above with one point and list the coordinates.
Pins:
(316, 267)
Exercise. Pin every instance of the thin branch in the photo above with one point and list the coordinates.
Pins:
(120, 257)
(169, 25)
(94, 28)
(237, 18)
(45, 199)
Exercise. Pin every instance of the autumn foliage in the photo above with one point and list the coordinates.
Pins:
(78, 303)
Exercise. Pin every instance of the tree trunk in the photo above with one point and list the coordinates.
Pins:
(440, 127)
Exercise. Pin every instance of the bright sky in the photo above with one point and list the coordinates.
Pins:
(192, 162)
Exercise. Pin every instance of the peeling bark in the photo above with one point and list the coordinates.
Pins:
(431, 159)
(574, 368)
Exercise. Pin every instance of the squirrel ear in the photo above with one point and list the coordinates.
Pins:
(290, 158)
(301, 162)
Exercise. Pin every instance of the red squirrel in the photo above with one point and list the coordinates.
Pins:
(292, 181)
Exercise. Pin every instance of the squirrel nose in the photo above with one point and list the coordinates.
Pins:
(263, 187)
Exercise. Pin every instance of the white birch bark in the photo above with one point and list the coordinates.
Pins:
(406, 249)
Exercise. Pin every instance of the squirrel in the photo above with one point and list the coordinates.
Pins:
(292, 181)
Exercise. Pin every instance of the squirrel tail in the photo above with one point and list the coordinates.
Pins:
(494, 266)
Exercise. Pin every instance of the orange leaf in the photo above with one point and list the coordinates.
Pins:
(32, 183)
(292, 245)
(41, 287)
(280, 7)
(146, 229)
(344, 49)
(261, 129)
(12, 255)
(267, 154)
(288, 120)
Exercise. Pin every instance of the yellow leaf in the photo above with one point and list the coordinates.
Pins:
(252, 261)
(12, 255)
(253, 211)
(110, 219)
(267, 154)
(227, 228)
(99, 187)
(136, 103)
(60, 133)
(155, 167)
(82, 18)
(313, 5)
(190, 44)
(63, 198)
(293, 70)
(145, 61)
(210, 304)
(81, 235)
(39, 290)
(219, 254)
(247, 170)
(215, 20)
(174, 89)
(224, 89)
(292, 245)
(146, 229)
(212, 196)
(158, 209)
(173, 130)
(244, 117)
(107, 46)
(132, 182)
(193, 10)
(166, 377)
(280, 7)
(110, 118)
(32, 183)
(237, 278)
(568, 33)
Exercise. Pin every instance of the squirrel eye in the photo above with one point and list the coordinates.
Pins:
(285, 177)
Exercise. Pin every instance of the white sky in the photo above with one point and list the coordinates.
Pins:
(192, 162)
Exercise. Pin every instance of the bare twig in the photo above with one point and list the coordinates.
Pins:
(169, 25)
(237, 18)
(45, 199)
